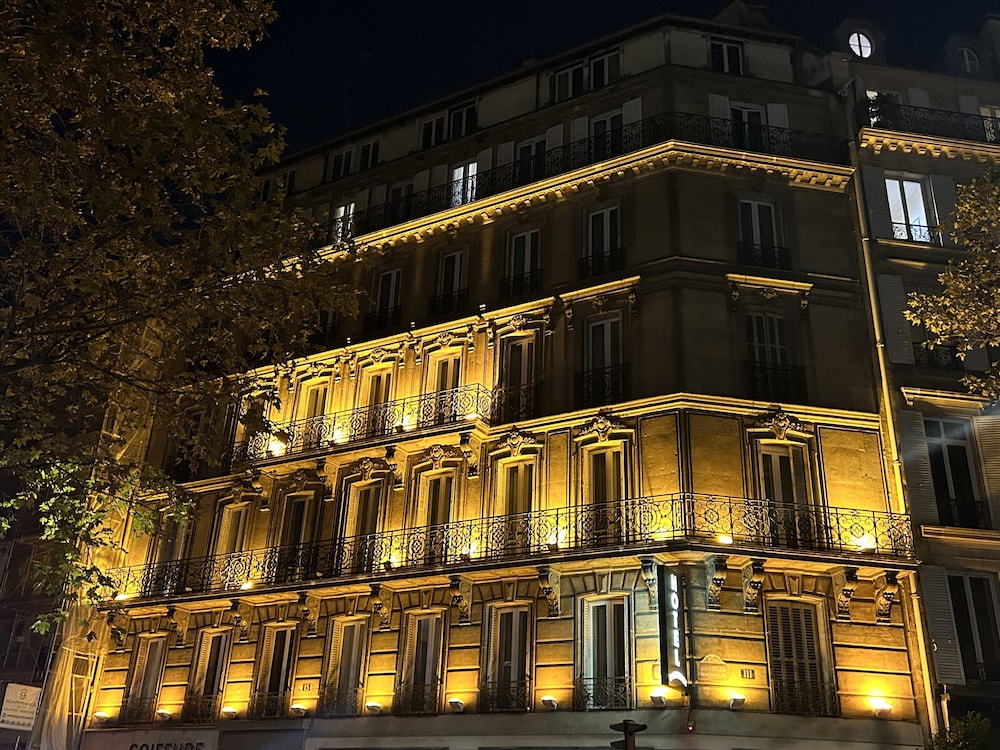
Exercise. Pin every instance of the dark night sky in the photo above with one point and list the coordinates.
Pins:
(331, 67)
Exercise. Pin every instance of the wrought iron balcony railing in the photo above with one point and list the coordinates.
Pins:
(449, 303)
(596, 264)
(902, 230)
(334, 702)
(941, 357)
(265, 705)
(887, 115)
(634, 525)
(467, 402)
(137, 710)
(201, 709)
(498, 697)
(558, 160)
(804, 697)
(521, 283)
(602, 693)
(515, 403)
(771, 382)
(602, 387)
(764, 256)
(415, 699)
(384, 319)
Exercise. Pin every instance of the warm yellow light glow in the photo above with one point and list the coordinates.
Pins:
(556, 539)
(101, 715)
(407, 423)
(472, 415)
(246, 585)
(298, 709)
(162, 713)
(277, 445)
(228, 712)
(339, 436)
(880, 705)
(469, 551)
(737, 700)
(724, 539)
(865, 543)
(373, 708)
(661, 534)
(121, 597)
(550, 703)
(457, 705)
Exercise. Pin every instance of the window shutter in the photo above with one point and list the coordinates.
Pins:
(943, 194)
(941, 624)
(378, 195)
(988, 441)
(895, 326)
(409, 650)
(777, 115)
(976, 361)
(201, 666)
(361, 200)
(505, 153)
(484, 160)
(799, 474)
(421, 181)
(439, 175)
(225, 523)
(139, 666)
(578, 129)
(917, 468)
(968, 104)
(718, 106)
(266, 657)
(879, 218)
(632, 110)
(917, 97)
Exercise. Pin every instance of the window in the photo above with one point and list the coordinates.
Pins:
(598, 72)
(463, 184)
(516, 398)
(275, 668)
(788, 518)
(968, 61)
(297, 526)
(569, 82)
(207, 678)
(326, 330)
(346, 672)
(518, 487)
(147, 667)
(759, 236)
(524, 265)
(377, 416)
(452, 295)
(359, 523)
(748, 123)
(285, 183)
(432, 132)
(605, 669)
(505, 685)
(530, 163)
(860, 44)
(603, 248)
(166, 574)
(727, 57)
(949, 448)
(417, 692)
(606, 133)
(908, 209)
(973, 601)
(771, 374)
(462, 120)
(338, 165)
(447, 375)
(341, 223)
(368, 155)
(799, 683)
(604, 379)
(991, 122)
(232, 528)
(401, 202)
(605, 70)
(386, 312)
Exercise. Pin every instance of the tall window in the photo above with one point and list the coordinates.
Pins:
(598, 72)
(420, 678)
(401, 202)
(312, 409)
(387, 292)
(144, 686)
(727, 57)
(452, 294)
(605, 69)
(603, 248)
(462, 120)
(530, 163)
(748, 126)
(378, 417)
(341, 223)
(606, 132)
(338, 165)
(518, 487)
(359, 523)
(604, 377)
(368, 155)
(524, 264)
(275, 669)
(784, 476)
(432, 132)
(951, 470)
(974, 603)
(463, 184)
(605, 670)
(448, 377)
(570, 82)
(344, 680)
(505, 684)
(908, 209)
(991, 122)
(799, 683)
(770, 372)
(517, 379)
(232, 528)
(167, 574)
(207, 677)
(297, 526)
(759, 236)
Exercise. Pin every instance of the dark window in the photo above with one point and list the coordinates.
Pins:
(727, 57)
(974, 605)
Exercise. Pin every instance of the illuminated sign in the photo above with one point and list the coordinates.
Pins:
(673, 655)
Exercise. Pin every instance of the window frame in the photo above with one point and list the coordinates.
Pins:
(463, 184)
(338, 164)
(462, 120)
(368, 154)
(825, 677)
(971, 454)
(588, 660)
(975, 631)
(432, 131)
(521, 641)
(726, 48)
(200, 666)
(900, 222)
(861, 44)
(334, 674)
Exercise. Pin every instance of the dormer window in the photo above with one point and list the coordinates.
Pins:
(727, 57)
(597, 72)
(968, 61)
(860, 44)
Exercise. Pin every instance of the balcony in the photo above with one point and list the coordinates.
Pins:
(268, 705)
(412, 700)
(885, 115)
(521, 284)
(201, 709)
(514, 404)
(335, 703)
(940, 357)
(764, 256)
(902, 230)
(679, 126)
(137, 710)
(602, 693)
(804, 698)
(773, 382)
(507, 696)
(449, 303)
(596, 264)
(383, 320)
(451, 406)
(633, 526)
(602, 387)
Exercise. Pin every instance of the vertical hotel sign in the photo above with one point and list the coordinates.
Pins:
(20, 703)
(673, 633)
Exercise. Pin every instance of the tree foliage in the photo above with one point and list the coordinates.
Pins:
(965, 313)
(970, 732)
(138, 262)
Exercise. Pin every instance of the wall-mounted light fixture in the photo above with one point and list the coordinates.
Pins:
(457, 705)
(373, 707)
(737, 701)
(880, 706)
(162, 714)
(659, 697)
(550, 703)
(228, 712)
(101, 716)
(298, 709)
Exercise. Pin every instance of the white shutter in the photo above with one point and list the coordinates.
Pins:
(266, 657)
(777, 115)
(421, 181)
(941, 624)
(439, 175)
(917, 468)
(879, 218)
(976, 361)
(968, 104)
(578, 129)
(484, 160)
(632, 110)
(378, 195)
(553, 138)
(917, 97)
(718, 106)
(988, 441)
(895, 326)
(943, 193)
(361, 200)
(505, 153)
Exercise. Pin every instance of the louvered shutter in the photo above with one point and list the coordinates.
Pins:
(225, 524)
(718, 106)
(197, 681)
(632, 110)
(409, 651)
(777, 115)
(421, 181)
(378, 195)
(988, 441)
(361, 200)
(943, 194)
(439, 175)
(968, 104)
(505, 153)
(895, 326)
(266, 657)
(578, 129)
(877, 200)
(976, 361)
(800, 475)
(484, 160)
(917, 468)
(941, 624)
(917, 97)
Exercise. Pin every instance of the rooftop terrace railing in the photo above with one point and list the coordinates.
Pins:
(887, 115)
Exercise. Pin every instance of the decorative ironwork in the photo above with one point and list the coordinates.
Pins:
(764, 256)
(521, 283)
(137, 710)
(771, 382)
(335, 702)
(201, 709)
(514, 404)
(804, 698)
(268, 705)
(635, 524)
(944, 357)
(879, 113)
(596, 264)
(415, 699)
(449, 303)
(602, 693)
(602, 386)
(449, 406)
(902, 230)
(498, 697)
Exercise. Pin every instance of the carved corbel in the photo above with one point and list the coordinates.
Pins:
(461, 599)
(241, 619)
(649, 578)
(471, 465)
(715, 575)
(845, 584)
(548, 586)
(382, 605)
(177, 623)
(885, 595)
(753, 581)
(308, 613)
(117, 624)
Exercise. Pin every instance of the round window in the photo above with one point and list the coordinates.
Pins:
(968, 61)
(861, 44)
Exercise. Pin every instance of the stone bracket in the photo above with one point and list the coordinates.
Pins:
(382, 605)
(308, 613)
(844, 585)
(885, 594)
(753, 581)
(177, 623)
(549, 587)
(649, 578)
(461, 598)
(715, 575)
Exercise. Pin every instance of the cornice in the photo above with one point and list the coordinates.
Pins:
(877, 140)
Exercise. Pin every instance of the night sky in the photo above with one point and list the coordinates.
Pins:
(332, 67)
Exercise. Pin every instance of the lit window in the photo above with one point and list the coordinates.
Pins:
(505, 687)
(275, 669)
(417, 692)
(341, 223)
(605, 668)
(908, 209)
(463, 184)
(861, 44)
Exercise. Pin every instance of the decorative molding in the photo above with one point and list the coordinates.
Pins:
(367, 467)
(648, 570)
(886, 589)
(716, 569)
(753, 581)
(767, 288)
(177, 623)
(549, 586)
(844, 586)
(517, 441)
(118, 628)
(381, 601)
(461, 598)
(436, 454)
(309, 607)
(779, 423)
(945, 399)
(242, 619)
(602, 426)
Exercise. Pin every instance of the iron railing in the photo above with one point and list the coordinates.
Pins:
(633, 525)
(514, 403)
(335, 702)
(137, 710)
(467, 402)
(498, 697)
(773, 382)
(384, 319)
(902, 230)
(265, 705)
(804, 697)
(603, 386)
(201, 709)
(596, 264)
(521, 283)
(602, 693)
(887, 115)
(415, 699)
(558, 160)
(764, 256)
(448, 303)
(940, 356)
(964, 512)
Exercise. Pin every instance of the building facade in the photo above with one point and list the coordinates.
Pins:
(614, 435)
